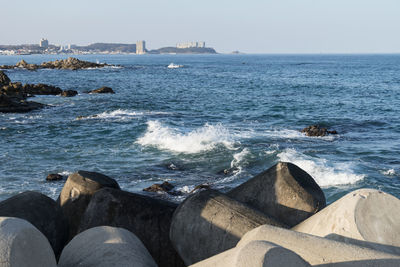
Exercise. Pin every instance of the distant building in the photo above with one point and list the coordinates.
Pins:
(44, 43)
(191, 45)
(140, 47)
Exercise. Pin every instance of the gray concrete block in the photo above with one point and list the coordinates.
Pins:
(319, 251)
(367, 215)
(41, 211)
(105, 246)
(209, 222)
(22, 245)
(254, 254)
(76, 194)
(148, 218)
(284, 192)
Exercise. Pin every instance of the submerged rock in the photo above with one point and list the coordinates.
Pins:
(316, 130)
(41, 89)
(69, 93)
(54, 177)
(12, 105)
(164, 187)
(102, 90)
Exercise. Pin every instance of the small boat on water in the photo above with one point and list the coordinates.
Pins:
(174, 66)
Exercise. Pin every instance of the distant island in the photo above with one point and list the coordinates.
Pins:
(104, 48)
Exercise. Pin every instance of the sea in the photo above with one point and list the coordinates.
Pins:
(217, 120)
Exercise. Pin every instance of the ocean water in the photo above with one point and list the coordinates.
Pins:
(186, 125)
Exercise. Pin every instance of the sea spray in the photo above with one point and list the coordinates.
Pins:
(198, 140)
(324, 173)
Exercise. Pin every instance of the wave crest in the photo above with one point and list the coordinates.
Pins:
(323, 173)
(198, 140)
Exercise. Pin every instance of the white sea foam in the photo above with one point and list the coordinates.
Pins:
(65, 173)
(390, 172)
(324, 173)
(239, 161)
(294, 134)
(272, 149)
(201, 139)
(121, 114)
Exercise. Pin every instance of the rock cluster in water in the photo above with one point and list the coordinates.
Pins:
(317, 131)
(69, 63)
(277, 218)
(13, 95)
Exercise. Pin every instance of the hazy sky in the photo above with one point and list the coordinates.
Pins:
(252, 26)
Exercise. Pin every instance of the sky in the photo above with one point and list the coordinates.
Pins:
(252, 26)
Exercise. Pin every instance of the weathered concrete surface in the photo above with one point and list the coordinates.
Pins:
(284, 192)
(22, 245)
(76, 194)
(366, 214)
(320, 251)
(209, 222)
(149, 219)
(255, 254)
(41, 211)
(105, 246)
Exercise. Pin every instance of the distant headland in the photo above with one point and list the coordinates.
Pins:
(44, 47)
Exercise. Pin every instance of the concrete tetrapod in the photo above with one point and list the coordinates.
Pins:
(41, 211)
(319, 251)
(148, 218)
(255, 254)
(365, 217)
(22, 245)
(105, 246)
(76, 194)
(209, 222)
(284, 191)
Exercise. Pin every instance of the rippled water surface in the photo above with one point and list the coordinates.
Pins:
(186, 125)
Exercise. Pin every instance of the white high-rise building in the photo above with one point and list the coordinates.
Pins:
(44, 43)
(140, 47)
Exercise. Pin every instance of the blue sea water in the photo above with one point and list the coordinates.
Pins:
(218, 112)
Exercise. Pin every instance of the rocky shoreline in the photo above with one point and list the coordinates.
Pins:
(70, 63)
(277, 218)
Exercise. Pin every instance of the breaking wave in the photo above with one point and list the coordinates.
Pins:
(120, 115)
(198, 140)
(324, 173)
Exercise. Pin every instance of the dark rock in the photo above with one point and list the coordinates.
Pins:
(149, 219)
(69, 63)
(13, 90)
(284, 192)
(41, 211)
(77, 192)
(316, 130)
(4, 80)
(69, 93)
(102, 90)
(228, 171)
(12, 105)
(54, 177)
(209, 222)
(164, 187)
(199, 187)
(41, 89)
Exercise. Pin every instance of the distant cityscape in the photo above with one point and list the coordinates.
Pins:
(44, 47)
